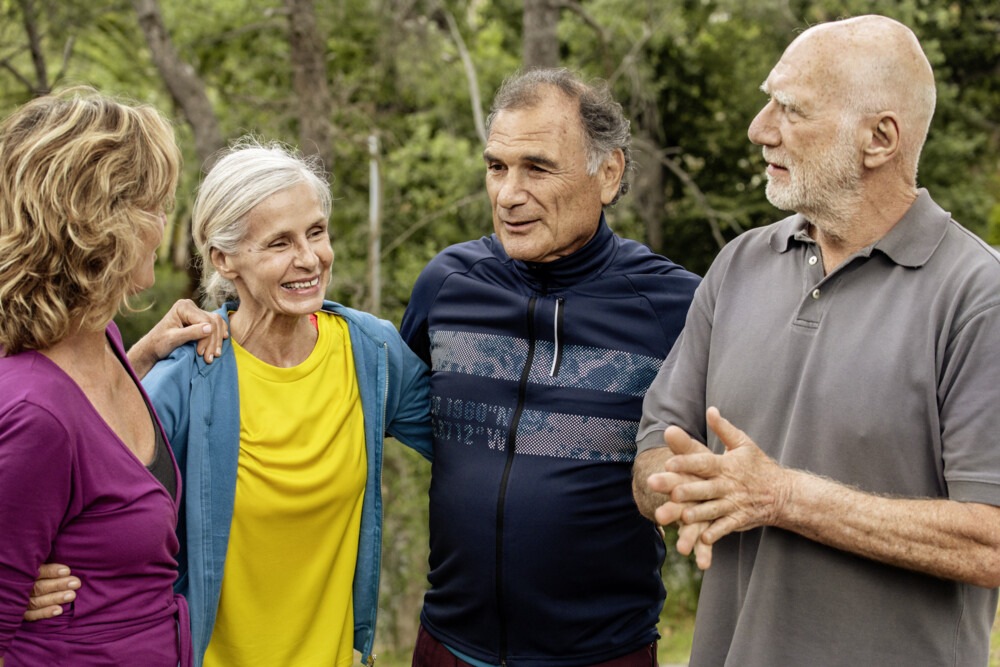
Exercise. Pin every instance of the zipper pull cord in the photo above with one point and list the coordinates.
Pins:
(557, 325)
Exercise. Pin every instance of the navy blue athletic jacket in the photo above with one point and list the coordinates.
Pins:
(538, 553)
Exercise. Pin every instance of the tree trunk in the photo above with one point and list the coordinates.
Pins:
(541, 43)
(308, 54)
(184, 85)
(187, 91)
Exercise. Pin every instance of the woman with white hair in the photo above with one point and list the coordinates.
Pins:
(280, 438)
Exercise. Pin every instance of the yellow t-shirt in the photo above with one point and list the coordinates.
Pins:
(286, 589)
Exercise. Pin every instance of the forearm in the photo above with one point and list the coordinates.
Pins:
(143, 357)
(646, 463)
(939, 537)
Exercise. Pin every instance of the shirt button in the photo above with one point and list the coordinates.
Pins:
(812, 260)
(815, 294)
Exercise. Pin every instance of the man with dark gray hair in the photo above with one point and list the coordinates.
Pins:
(542, 340)
(842, 365)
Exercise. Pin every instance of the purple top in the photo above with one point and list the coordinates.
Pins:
(72, 492)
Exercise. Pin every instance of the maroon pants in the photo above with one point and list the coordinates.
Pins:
(429, 652)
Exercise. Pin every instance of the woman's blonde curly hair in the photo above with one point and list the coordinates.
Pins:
(82, 177)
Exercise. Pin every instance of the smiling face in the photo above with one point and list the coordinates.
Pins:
(545, 204)
(283, 265)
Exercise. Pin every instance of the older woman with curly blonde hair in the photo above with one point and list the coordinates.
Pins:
(84, 185)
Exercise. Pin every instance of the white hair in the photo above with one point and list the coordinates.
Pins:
(246, 174)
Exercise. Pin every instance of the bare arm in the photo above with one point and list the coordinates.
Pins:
(940, 537)
(55, 586)
(646, 463)
(744, 488)
(184, 322)
(649, 501)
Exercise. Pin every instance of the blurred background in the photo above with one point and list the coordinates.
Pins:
(392, 95)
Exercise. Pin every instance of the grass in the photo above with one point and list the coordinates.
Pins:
(676, 633)
(675, 644)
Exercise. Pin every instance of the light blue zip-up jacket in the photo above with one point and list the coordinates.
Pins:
(198, 404)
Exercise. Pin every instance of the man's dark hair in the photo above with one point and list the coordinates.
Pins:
(604, 122)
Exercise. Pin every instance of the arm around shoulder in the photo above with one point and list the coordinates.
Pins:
(408, 416)
(183, 323)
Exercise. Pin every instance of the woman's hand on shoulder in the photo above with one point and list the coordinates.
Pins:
(184, 322)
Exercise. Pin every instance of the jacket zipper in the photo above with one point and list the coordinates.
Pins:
(511, 443)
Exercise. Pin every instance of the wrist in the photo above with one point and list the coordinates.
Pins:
(142, 357)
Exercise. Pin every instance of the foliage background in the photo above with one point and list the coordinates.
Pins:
(686, 71)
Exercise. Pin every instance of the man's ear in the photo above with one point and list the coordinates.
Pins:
(222, 263)
(883, 141)
(610, 175)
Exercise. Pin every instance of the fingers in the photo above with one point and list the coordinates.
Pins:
(665, 482)
(730, 436)
(694, 465)
(54, 587)
(39, 603)
(219, 333)
(682, 487)
(43, 613)
(680, 442)
(187, 322)
(703, 555)
(668, 513)
(52, 570)
(690, 456)
(209, 340)
(46, 587)
(719, 529)
(688, 537)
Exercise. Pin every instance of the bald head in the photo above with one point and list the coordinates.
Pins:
(874, 64)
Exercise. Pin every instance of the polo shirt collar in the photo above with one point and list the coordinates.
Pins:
(910, 242)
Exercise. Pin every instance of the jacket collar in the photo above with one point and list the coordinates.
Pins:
(583, 265)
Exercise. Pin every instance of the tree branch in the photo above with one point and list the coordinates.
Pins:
(711, 213)
(470, 74)
(308, 56)
(427, 219)
(5, 63)
(35, 47)
(578, 9)
(186, 89)
(67, 53)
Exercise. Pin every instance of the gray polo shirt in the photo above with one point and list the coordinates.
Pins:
(884, 375)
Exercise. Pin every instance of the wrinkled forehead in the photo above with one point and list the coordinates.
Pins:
(552, 124)
(811, 66)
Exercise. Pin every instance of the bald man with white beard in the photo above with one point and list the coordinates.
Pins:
(841, 366)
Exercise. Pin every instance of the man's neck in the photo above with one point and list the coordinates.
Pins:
(876, 213)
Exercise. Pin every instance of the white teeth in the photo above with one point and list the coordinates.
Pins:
(302, 285)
